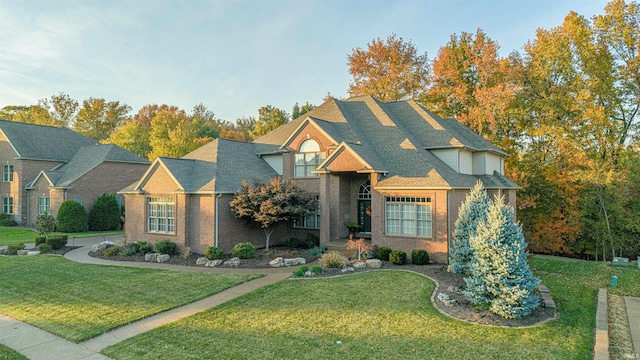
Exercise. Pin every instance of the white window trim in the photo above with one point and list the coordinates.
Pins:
(46, 205)
(160, 209)
(7, 205)
(311, 157)
(7, 173)
(408, 203)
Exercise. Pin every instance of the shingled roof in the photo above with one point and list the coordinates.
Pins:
(39, 142)
(395, 137)
(86, 159)
(218, 167)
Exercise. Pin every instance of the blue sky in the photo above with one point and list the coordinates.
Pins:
(232, 56)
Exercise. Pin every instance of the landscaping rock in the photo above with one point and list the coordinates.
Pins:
(100, 247)
(151, 257)
(277, 262)
(23, 252)
(163, 258)
(348, 269)
(202, 260)
(455, 289)
(232, 262)
(309, 274)
(359, 265)
(2, 252)
(213, 263)
(374, 263)
(31, 253)
(446, 300)
(295, 261)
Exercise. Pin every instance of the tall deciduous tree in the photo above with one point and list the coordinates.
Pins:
(172, 134)
(98, 118)
(134, 136)
(269, 118)
(270, 204)
(390, 70)
(472, 83)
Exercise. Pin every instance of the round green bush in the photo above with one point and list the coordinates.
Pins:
(398, 257)
(213, 253)
(72, 217)
(383, 253)
(420, 257)
(105, 214)
(12, 250)
(56, 242)
(43, 248)
(244, 251)
(316, 269)
(7, 220)
(144, 247)
(112, 251)
(298, 273)
(166, 247)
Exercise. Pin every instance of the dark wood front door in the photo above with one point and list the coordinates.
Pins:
(364, 215)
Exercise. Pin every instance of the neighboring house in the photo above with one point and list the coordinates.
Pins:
(397, 169)
(43, 166)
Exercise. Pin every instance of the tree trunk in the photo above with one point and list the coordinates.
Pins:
(268, 231)
(606, 218)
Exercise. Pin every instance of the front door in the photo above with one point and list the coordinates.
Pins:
(364, 215)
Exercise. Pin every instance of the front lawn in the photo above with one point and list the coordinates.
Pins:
(16, 235)
(10, 354)
(80, 301)
(379, 315)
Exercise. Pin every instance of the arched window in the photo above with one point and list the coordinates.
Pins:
(364, 193)
(308, 158)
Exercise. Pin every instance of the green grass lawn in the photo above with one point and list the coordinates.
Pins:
(379, 315)
(15, 235)
(9, 354)
(80, 301)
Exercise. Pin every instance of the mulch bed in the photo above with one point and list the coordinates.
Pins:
(462, 310)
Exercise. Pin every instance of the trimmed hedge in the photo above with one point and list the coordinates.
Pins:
(7, 220)
(420, 257)
(244, 251)
(383, 253)
(72, 217)
(214, 253)
(166, 247)
(56, 242)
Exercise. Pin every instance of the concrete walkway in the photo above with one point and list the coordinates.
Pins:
(37, 344)
(633, 314)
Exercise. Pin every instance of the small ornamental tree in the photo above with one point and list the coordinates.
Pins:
(105, 214)
(500, 278)
(72, 217)
(472, 211)
(271, 203)
(45, 224)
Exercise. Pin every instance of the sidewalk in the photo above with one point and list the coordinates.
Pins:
(633, 314)
(37, 344)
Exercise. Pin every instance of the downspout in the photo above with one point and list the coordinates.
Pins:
(216, 221)
(28, 201)
(449, 241)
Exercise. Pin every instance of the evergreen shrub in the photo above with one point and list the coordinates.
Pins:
(383, 253)
(398, 257)
(420, 257)
(244, 251)
(105, 214)
(72, 217)
(213, 253)
(166, 247)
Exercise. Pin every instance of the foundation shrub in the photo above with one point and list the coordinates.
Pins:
(144, 247)
(112, 251)
(383, 253)
(72, 217)
(7, 220)
(40, 240)
(420, 257)
(43, 248)
(166, 247)
(244, 251)
(398, 257)
(56, 242)
(213, 253)
(315, 251)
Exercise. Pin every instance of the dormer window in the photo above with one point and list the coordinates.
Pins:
(308, 158)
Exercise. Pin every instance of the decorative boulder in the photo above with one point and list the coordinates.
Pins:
(213, 263)
(163, 258)
(309, 274)
(295, 261)
(348, 269)
(31, 253)
(151, 257)
(23, 252)
(277, 262)
(359, 265)
(374, 263)
(446, 300)
(201, 261)
(232, 262)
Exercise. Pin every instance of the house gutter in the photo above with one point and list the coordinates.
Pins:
(449, 240)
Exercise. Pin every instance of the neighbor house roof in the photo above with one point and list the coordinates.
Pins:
(218, 167)
(395, 140)
(85, 160)
(39, 142)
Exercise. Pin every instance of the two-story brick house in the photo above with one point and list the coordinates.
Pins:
(397, 169)
(42, 166)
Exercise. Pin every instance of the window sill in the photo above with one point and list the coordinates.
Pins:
(409, 236)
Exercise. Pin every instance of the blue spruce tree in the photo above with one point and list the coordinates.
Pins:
(501, 279)
(472, 211)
